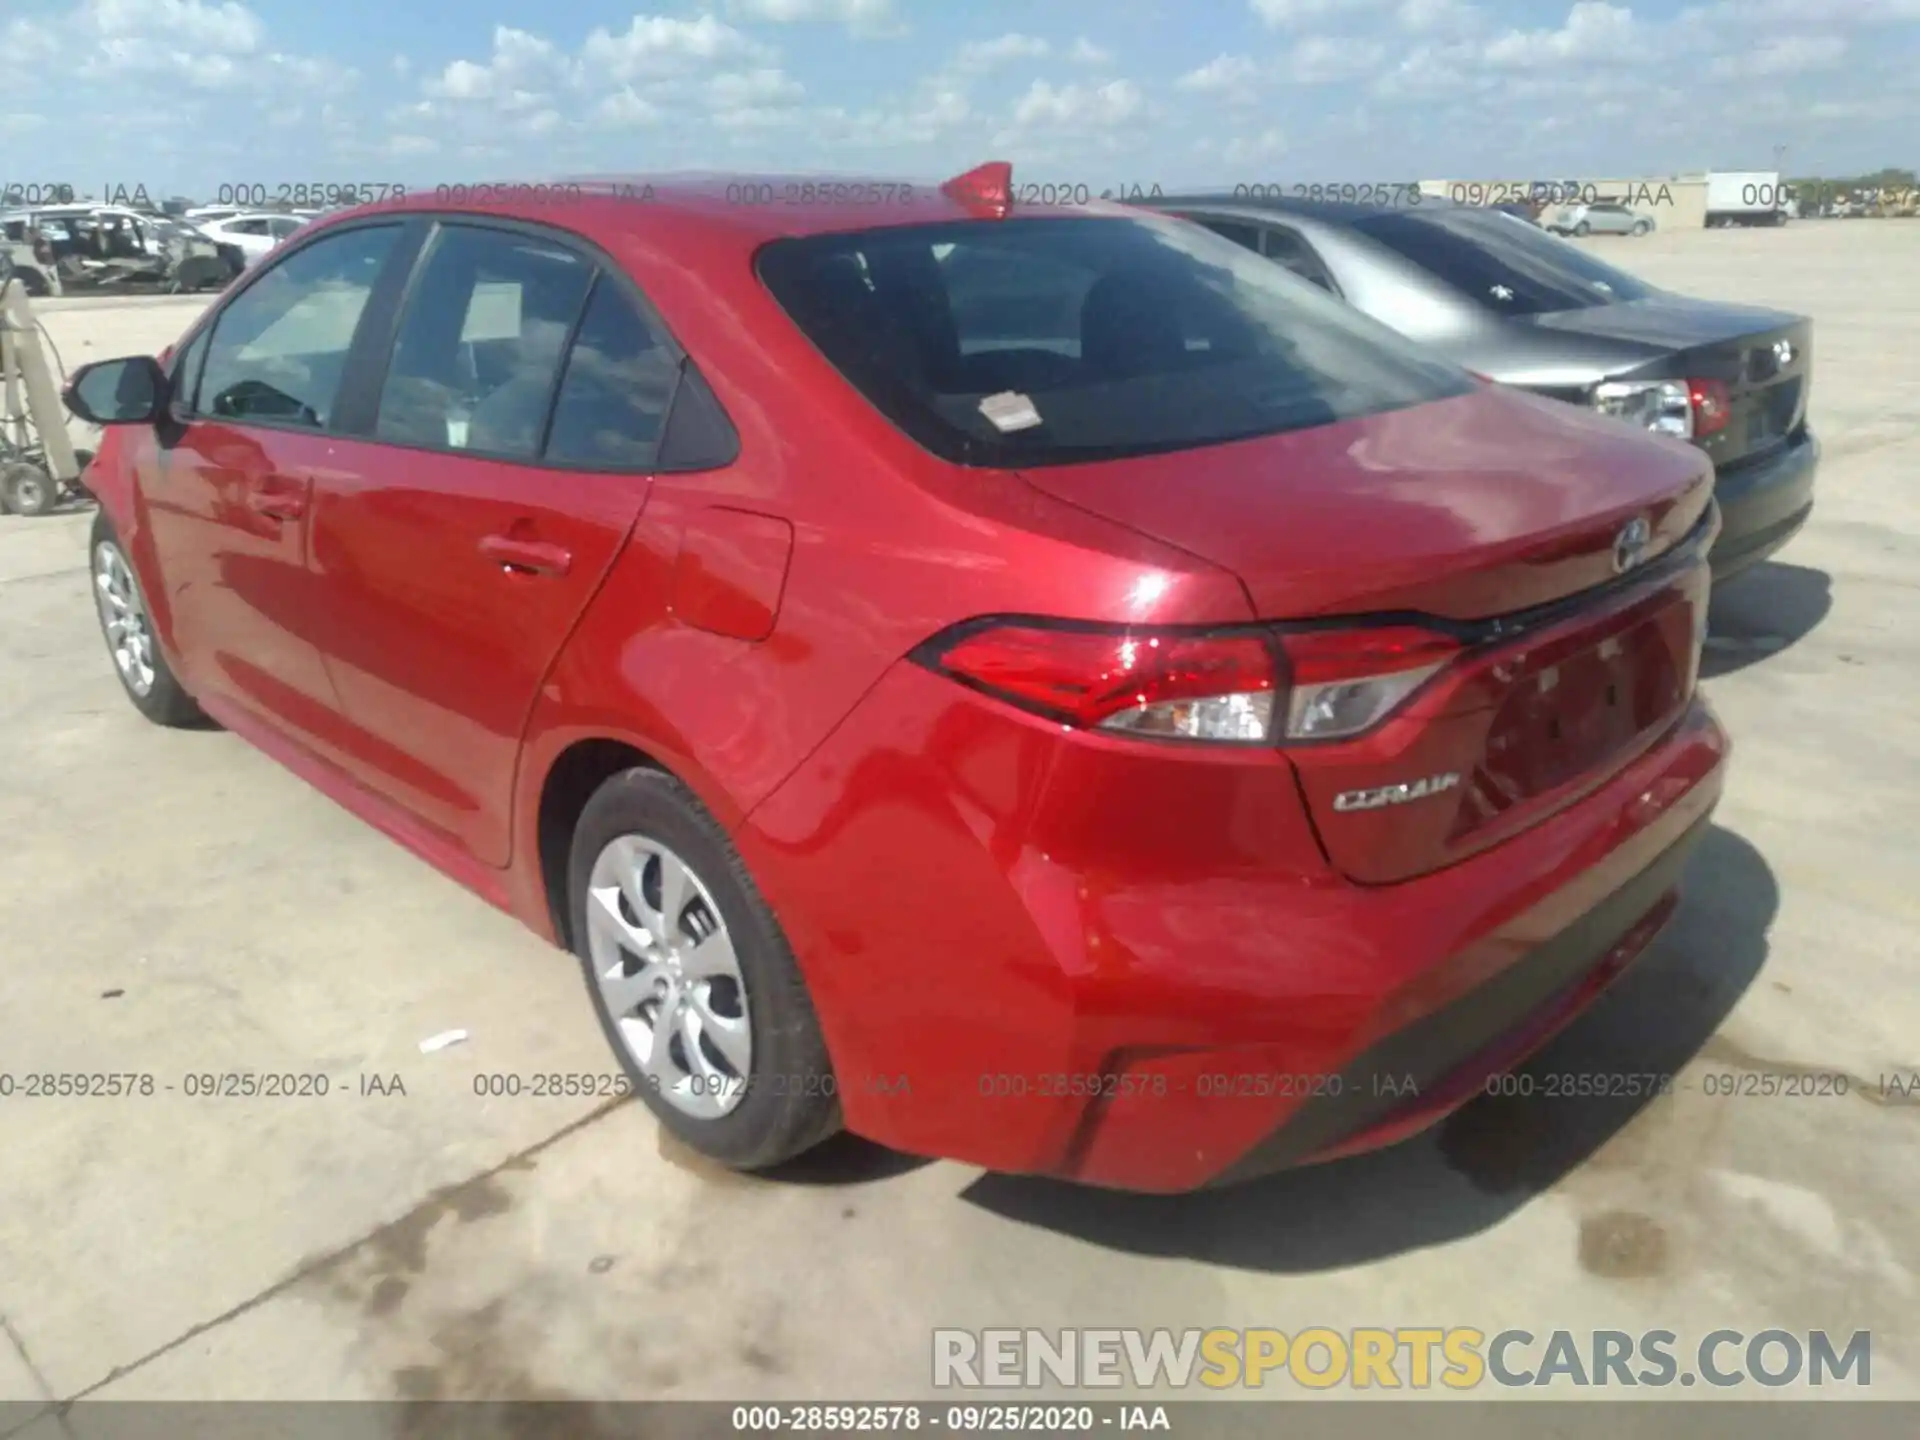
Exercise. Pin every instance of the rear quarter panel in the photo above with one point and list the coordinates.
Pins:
(889, 547)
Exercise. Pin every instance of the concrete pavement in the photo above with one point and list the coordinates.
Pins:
(176, 905)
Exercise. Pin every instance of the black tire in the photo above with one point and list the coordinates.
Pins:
(1641, 227)
(790, 1102)
(29, 489)
(1583, 229)
(165, 701)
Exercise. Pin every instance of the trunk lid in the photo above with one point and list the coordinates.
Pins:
(1467, 508)
(1497, 516)
(1763, 357)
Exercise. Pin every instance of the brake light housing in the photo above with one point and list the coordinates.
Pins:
(1246, 685)
(1685, 409)
(1711, 405)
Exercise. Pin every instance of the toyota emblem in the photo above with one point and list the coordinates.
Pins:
(1630, 545)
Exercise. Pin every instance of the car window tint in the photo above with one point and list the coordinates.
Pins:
(480, 344)
(618, 383)
(278, 350)
(1247, 235)
(1501, 261)
(1057, 340)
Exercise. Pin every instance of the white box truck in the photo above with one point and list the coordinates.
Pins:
(1746, 197)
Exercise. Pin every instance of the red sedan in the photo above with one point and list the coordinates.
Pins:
(1043, 687)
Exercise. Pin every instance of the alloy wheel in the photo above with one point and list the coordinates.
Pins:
(665, 968)
(123, 617)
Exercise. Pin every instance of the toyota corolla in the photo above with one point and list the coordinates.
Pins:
(1038, 687)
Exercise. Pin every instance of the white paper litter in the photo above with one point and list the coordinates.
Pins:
(1010, 410)
(441, 1041)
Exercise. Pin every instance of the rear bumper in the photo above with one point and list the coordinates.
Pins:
(1133, 968)
(1763, 506)
(1433, 1066)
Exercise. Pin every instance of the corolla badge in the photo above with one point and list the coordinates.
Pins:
(1630, 545)
(1394, 794)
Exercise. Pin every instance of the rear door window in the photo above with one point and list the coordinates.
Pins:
(1500, 261)
(1237, 232)
(1061, 339)
(480, 345)
(618, 383)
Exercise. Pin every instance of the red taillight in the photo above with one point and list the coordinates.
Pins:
(1222, 686)
(1711, 404)
(1093, 677)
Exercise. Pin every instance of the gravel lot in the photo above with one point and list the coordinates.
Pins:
(177, 904)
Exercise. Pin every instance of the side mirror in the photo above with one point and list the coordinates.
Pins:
(132, 391)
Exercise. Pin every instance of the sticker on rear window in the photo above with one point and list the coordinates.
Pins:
(1010, 410)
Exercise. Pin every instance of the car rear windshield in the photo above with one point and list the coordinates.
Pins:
(1074, 338)
(1501, 261)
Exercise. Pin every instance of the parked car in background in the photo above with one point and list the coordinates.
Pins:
(914, 654)
(205, 214)
(254, 234)
(30, 257)
(1505, 300)
(1602, 217)
(117, 246)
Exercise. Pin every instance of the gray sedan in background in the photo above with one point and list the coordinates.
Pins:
(1602, 217)
(1508, 301)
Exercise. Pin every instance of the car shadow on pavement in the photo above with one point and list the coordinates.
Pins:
(1490, 1157)
(1761, 613)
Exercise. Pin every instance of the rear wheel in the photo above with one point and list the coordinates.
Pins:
(1641, 227)
(1583, 228)
(693, 982)
(127, 627)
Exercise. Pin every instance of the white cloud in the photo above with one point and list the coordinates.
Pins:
(1329, 59)
(1263, 146)
(626, 108)
(1222, 75)
(656, 46)
(856, 13)
(1078, 107)
(225, 29)
(763, 87)
(30, 41)
(1085, 52)
(1785, 55)
(1290, 14)
(986, 54)
(1594, 32)
(1432, 17)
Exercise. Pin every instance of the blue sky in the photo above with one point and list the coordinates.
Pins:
(182, 96)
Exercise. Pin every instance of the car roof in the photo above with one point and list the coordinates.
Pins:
(748, 207)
